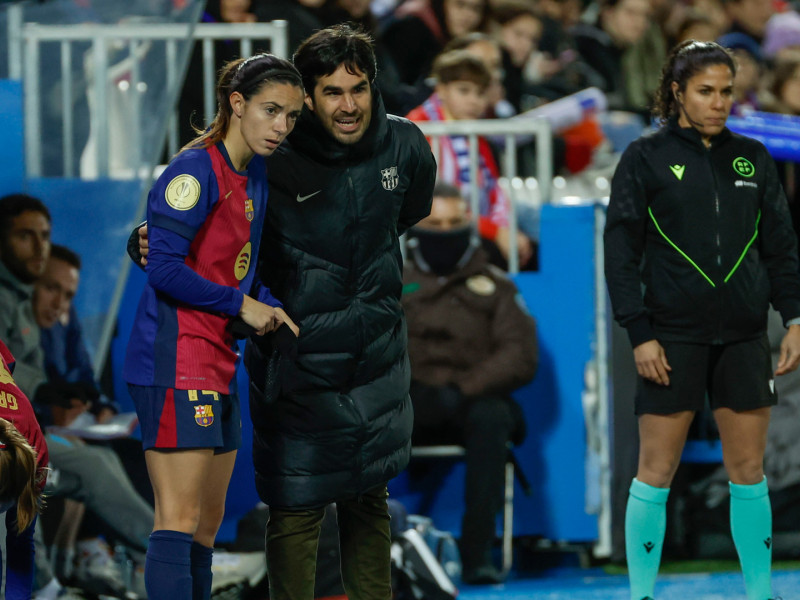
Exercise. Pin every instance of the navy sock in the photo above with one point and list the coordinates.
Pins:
(201, 571)
(168, 567)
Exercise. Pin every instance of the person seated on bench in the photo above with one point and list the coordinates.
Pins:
(471, 343)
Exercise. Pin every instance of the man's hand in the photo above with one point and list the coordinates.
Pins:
(790, 351)
(524, 245)
(651, 362)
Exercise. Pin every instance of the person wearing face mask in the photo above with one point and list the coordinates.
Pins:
(471, 344)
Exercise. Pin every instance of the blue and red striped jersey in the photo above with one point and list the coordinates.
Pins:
(204, 228)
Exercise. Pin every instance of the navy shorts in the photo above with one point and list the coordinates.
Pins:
(172, 418)
(738, 376)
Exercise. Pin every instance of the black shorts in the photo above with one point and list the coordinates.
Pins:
(738, 376)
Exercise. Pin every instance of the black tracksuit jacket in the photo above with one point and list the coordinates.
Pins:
(699, 241)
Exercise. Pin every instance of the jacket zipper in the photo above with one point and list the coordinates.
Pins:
(717, 219)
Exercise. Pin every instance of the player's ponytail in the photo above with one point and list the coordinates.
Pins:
(19, 482)
(246, 76)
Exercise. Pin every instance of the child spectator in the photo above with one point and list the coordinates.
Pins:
(460, 94)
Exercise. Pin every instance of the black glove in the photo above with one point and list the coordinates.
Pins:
(133, 245)
(239, 329)
(268, 359)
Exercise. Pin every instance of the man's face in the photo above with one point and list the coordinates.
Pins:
(463, 99)
(26, 247)
(447, 213)
(342, 102)
(54, 291)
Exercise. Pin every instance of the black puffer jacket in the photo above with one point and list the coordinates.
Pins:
(341, 420)
(714, 229)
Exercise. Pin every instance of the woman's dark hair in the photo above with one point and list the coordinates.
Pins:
(19, 478)
(684, 62)
(322, 53)
(246, 76)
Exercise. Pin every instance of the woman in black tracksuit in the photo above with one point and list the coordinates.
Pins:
(698, 242)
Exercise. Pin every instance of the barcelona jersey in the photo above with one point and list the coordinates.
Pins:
(204, 228)
(15, 407)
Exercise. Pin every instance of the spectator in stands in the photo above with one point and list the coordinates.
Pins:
(620, 25)
(460, 93)
(694, 299)
(749, 17)
(782, 36)
(487, 49)
(695, 25)
(471, 344)
(518, 27)
(411, 40)
(303, 17)
(355, 12)
(749, 61)
(23, 471)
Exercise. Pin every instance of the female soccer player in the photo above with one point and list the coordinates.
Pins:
(23, 471)
(698, 241)
(205, 216)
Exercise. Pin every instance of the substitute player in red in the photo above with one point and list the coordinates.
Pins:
(205, 215)
(23, 471)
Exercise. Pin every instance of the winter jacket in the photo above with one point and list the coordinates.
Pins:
(341, 420)
(467, 329)
(714, 229)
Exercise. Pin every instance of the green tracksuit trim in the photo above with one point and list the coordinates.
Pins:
(746, 248)
(694, 264)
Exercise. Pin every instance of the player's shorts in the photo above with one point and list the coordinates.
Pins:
(738, 376)
(171, 418)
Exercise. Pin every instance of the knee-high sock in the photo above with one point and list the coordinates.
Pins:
(751, 527)
(168, 567)
(201, 571)
(645, 525)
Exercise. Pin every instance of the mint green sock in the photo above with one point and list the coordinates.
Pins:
(751, 528)
(645, 525)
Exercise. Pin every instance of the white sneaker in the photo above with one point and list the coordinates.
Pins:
(233, 567)
(95, 568)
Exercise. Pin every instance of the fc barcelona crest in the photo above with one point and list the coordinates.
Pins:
(249, 212)
(203, 415)
(389, 178)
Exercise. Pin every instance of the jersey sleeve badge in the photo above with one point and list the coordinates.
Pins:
(182, 192)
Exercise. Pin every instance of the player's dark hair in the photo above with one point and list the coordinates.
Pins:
(325, 50)
(68, 256)
(246, 76)
(19, 483)
(14, 205)
(686, 60)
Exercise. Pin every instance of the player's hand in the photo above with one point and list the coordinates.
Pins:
(651, 362)
(284, 318)
(790, 351)
(144, 244)
(259, 316)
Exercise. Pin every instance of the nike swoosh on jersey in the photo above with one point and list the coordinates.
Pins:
(304, 198)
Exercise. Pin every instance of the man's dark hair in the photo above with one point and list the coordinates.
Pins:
(68, 256)
(442, 189)
(14, 205)
(322, 53)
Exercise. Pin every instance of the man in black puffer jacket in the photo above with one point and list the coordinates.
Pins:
(331, 413)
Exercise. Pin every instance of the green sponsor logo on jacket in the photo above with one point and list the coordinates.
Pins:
(743, 167)
(410, 287)
(677, 170)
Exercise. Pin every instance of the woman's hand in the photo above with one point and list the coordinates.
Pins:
(651, 362)
(284, 318)
(261, 317)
